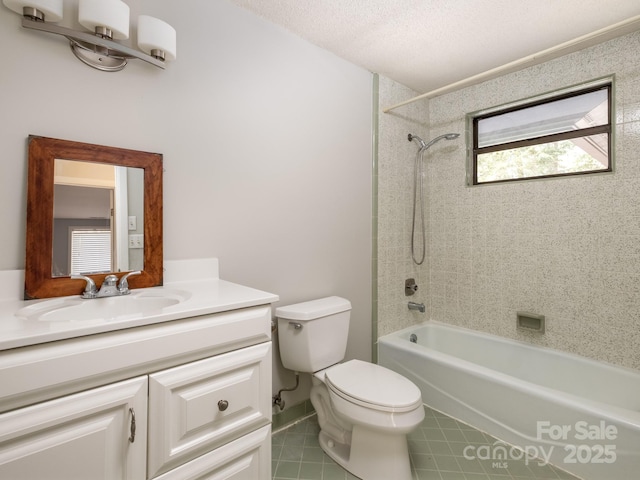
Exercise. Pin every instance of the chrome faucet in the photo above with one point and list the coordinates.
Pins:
(109, 287)
(90, 290)
(123, 286)
(417, 306)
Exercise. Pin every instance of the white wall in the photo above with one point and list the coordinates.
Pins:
(266, 142)
(566, 248)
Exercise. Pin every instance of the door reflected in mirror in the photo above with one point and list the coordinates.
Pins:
(98, 218)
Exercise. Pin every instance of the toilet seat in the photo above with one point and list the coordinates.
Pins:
(373, 386)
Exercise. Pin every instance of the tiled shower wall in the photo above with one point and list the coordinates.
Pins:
(396, 156)
(567, 248)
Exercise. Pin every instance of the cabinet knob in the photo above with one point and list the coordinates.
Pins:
(223, 405)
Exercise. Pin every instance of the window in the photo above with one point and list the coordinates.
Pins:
(90, 251)
(567, 134)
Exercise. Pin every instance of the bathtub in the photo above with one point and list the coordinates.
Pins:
(578, 414)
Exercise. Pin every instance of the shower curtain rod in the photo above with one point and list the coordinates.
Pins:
(616, 30)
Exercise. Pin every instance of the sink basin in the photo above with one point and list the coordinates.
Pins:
(76, 309)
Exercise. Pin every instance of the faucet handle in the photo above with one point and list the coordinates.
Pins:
(123, 287)
(90, 289)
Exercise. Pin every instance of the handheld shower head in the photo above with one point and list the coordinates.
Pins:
(446, 136)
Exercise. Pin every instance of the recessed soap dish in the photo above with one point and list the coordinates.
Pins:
(531, 322)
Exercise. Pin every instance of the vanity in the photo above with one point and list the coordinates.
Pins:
(172, 383)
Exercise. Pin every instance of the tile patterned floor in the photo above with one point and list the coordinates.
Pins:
(436, 451)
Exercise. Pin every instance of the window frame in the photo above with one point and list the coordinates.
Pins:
(473, 119)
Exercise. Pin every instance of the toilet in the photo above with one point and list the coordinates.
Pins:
(365, 411)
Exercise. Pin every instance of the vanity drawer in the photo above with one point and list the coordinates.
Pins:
(200, 406)
(248, 458)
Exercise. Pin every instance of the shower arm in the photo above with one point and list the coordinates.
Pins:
(425, 146)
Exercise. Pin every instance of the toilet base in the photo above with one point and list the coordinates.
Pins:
(372, 455)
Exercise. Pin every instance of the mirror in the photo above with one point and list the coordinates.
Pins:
(81, 194)
(98, 218)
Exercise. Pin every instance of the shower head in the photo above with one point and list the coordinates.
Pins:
(424, 146)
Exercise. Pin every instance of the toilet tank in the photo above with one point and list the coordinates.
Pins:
(313, 335)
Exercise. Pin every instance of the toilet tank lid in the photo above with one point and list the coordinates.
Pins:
(314, 309)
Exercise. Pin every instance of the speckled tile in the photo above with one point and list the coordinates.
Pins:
(566, 248)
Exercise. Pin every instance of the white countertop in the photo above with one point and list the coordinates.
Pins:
(204, 294)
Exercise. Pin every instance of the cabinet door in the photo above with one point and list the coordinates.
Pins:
(248, 458)
(84, 436)
(202, 405)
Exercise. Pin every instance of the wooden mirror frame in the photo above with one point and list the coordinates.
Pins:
(39, 281)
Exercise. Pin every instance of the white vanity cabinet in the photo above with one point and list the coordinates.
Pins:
(88, 435)
(199, 389)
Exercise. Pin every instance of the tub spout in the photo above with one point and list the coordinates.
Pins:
(417, 306)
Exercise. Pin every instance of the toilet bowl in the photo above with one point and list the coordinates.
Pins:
(368, 394)
(365, 422)
(365, 411)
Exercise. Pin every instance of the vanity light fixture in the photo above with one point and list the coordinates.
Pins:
(109, 21)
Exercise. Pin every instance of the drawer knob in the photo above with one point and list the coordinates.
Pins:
(223, 405)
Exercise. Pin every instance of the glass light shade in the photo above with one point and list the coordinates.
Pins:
(154, 34)
(111, 14)
(52, 9)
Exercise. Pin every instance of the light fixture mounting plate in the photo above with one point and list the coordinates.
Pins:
(102, 61)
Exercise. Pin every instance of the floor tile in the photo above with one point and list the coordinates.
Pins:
(436, 451)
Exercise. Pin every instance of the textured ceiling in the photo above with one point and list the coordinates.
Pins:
(427, 44)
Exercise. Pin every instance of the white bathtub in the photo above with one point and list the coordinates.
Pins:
(583, 415)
